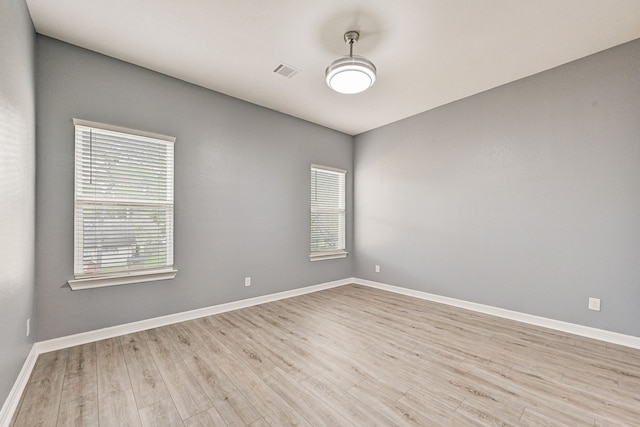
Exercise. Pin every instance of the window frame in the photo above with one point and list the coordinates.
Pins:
(334, 253)
(87, 281)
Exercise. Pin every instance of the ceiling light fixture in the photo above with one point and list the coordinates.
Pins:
(351, 74)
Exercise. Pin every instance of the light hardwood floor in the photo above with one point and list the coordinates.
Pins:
(351, 355)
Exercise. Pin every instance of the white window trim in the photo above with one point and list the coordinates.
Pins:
(133, 277)
(329, 168)
(320, 256)
(326, 255)
(80, 122)
(100, 282)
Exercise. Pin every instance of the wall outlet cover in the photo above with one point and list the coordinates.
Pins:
(594, 304)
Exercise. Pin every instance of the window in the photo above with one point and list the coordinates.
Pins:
(327, 213)
(123, 231)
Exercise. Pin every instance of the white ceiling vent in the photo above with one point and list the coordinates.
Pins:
(285, 70)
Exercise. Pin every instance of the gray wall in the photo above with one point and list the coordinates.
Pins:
(17, 188)
(241, 194)
(525, 197)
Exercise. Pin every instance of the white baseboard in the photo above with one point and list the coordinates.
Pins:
(11, 404)
(572, 328)
(129, 328)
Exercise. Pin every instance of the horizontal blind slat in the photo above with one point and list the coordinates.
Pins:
(124, 202)
(327, 210)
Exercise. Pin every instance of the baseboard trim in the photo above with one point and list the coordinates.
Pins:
(114, 331)
(11, 404)
(129, 328)
(572, 328)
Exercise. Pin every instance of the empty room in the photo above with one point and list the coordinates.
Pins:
(330, 213)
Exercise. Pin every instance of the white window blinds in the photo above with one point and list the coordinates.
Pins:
(327, 213)
(123, 202)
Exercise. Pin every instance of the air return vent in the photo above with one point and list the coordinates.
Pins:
(285, 70)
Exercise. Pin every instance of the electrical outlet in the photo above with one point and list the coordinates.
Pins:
(247, 281)
(28, 327)
(594, 304)
(377, 268)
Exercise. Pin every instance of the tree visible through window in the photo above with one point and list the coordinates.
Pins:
(327, 213)
(123, 203)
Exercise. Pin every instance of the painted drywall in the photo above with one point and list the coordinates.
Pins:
(241, 191)
(524, 197)
(17, 188)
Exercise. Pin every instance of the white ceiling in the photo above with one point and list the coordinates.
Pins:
(427, 52)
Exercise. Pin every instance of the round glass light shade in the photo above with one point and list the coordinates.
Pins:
(351, 74)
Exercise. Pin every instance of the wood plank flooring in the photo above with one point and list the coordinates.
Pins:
(348, 356)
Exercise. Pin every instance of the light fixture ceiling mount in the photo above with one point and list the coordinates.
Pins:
(351, 74)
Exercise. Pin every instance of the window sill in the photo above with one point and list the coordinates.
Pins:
(320, 256)
(101, 282)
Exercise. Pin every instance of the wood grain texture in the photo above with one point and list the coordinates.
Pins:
(146, 381)
(184, 389)
(161, 414)
(111, 368)
(118, 409)
(41, 399)
(79, 402)
(205, 419)
(346, 356)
